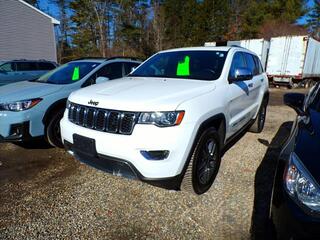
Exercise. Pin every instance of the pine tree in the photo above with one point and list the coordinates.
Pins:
(313, 21)
(85, 37)
(287, 10)
(260, 13)
(218, 19)
(132, 28)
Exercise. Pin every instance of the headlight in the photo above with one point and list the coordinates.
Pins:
(20, 105)
(300, 184)
(161, 119)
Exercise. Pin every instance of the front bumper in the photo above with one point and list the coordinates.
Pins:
(18, 132)
(178, 140)
(122, 168)
(29, 121)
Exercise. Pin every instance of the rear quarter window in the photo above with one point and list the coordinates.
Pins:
(7, 67)
(258, 65)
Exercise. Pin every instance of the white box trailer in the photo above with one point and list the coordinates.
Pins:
(210, 44)
(258, 46)
(293, 60)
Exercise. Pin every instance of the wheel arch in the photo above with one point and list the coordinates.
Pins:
(217, 121)
(53, 108)
(266, 96)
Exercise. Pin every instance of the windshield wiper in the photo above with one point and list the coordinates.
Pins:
(154, 76)
(33, 80)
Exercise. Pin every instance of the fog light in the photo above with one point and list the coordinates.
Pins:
(16, 130)
(155, 155)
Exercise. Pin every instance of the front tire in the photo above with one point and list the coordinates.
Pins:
(53, 133)
(204, 163)
(259, 122)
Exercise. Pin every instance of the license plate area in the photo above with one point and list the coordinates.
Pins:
(84, 145)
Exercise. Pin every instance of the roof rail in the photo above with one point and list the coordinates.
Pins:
(31, 60)
(110, 58)
(21, 59)
(124, 57)
(82, 58)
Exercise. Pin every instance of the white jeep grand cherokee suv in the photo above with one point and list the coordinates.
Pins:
(168, 122)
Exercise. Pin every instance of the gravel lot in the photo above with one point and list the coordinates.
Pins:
(46, 194)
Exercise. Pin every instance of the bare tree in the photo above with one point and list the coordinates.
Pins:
(101, 8)
(64, 27)
(158, 24)
(274, 28)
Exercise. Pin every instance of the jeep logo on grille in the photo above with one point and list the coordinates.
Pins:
(91, 102)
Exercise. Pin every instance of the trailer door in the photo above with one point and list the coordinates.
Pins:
(286, 57)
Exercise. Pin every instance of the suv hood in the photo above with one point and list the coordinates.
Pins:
(142, 94)
(26, 90)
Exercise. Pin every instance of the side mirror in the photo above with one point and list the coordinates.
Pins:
(242, 74)
(132, 69)
(101, 79)
(295, 101)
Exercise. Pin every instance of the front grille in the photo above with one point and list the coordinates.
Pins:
(111, 121)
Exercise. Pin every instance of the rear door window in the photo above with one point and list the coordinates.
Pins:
(46, 66)
(27, 66)
(111, 71)
(251, 63)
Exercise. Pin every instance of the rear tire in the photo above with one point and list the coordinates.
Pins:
(53, 133)
(204, 163)
(258, 124)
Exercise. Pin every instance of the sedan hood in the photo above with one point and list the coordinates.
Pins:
(26, 90)
(142, 94)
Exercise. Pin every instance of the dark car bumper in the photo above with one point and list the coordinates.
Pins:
(120, 167)
(18, 133)
(291, 221)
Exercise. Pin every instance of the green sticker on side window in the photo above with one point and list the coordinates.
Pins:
(183, 68)
(76, 74)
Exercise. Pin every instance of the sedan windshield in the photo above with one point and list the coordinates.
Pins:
(68, 73)
(197, 65)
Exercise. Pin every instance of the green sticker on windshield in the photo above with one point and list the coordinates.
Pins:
(76, 74)
(183, 68)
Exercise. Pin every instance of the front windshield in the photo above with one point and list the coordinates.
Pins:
(68, 73)
(198, 65)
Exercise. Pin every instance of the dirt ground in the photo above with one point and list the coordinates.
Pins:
(46, 194)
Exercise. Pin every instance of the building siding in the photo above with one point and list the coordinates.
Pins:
(25, 33)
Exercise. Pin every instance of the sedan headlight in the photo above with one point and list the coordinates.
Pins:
(20, 105)
(162, 119)
(300, 185)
